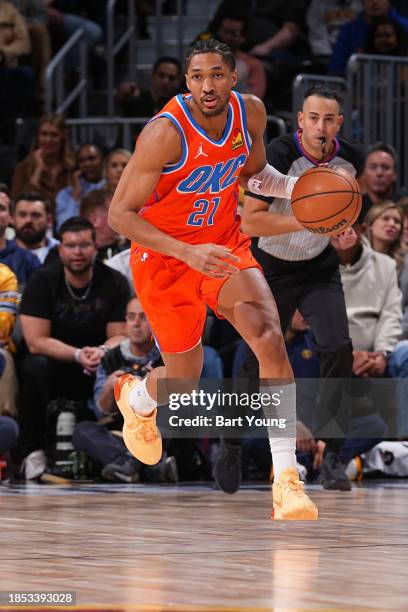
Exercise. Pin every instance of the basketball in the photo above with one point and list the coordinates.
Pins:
(326, 200)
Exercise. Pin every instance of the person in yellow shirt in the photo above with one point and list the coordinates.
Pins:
(9, 299)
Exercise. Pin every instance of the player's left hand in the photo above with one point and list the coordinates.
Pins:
(345, 240)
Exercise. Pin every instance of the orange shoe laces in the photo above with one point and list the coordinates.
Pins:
(147, 431)
(294, 485)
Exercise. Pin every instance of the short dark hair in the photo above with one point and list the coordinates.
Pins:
(229, 13)
(89, 144)
(94, 200)
(386, 148)
(167, 59)
(322, 91)
(4, 189)
(211, 46)
(31, 196)
(76, 224)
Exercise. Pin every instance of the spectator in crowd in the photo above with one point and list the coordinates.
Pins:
(136, 354)
(231, 28)
(380, 175)
(95, 207)
(404, 272)
(373, 302)
(63, 24)
(386, 36)
(9, 432)
(403, 204)
(50, 165)
(383, 228)
(71, 310)
(21, 261)
(165, 80)
(353, 34)
(277, 34)
(58, 20)
(32, 221)
(88, 176)
(16, 79)
(9, 300)
(115, 163)
(404, 291)
(274, 26)
(35, 18)
(324, 20)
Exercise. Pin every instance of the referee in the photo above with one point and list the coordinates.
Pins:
(302, 270)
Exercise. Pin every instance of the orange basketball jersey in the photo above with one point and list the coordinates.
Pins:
(196, 199)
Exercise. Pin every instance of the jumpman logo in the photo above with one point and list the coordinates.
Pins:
(200, 151)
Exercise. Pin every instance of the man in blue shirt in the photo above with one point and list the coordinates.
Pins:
(21, 261)
(88, 176)
(352, 35)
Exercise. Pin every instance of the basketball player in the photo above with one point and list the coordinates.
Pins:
(302, 271)
(188, 251)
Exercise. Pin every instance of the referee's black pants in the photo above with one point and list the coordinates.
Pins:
(314, 287)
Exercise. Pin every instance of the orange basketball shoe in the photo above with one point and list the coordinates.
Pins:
(290, 502)
(140, 433)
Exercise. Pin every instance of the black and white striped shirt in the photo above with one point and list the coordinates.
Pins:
(287, 155)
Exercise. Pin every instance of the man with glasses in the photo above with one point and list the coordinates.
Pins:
(71, 311)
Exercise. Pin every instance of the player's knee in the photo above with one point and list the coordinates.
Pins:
(270, 345)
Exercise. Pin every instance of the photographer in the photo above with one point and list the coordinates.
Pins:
(136, 354)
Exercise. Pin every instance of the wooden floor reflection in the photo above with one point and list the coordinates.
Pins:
(193, 548)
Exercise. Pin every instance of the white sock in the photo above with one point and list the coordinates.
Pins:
(283, 449)
(140, 400)
(283, 454)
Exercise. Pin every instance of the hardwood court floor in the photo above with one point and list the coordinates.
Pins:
(192, 548)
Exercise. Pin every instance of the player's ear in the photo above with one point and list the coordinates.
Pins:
(234, 77)
(340, 121)
(300, 119)
(187, 82)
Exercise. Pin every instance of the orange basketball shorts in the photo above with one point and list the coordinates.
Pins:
(174, 296)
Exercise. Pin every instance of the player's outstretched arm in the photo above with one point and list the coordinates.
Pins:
(257, 175)
(158, 145)
(258, 221)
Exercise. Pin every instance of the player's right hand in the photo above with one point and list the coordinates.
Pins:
(211, 259)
